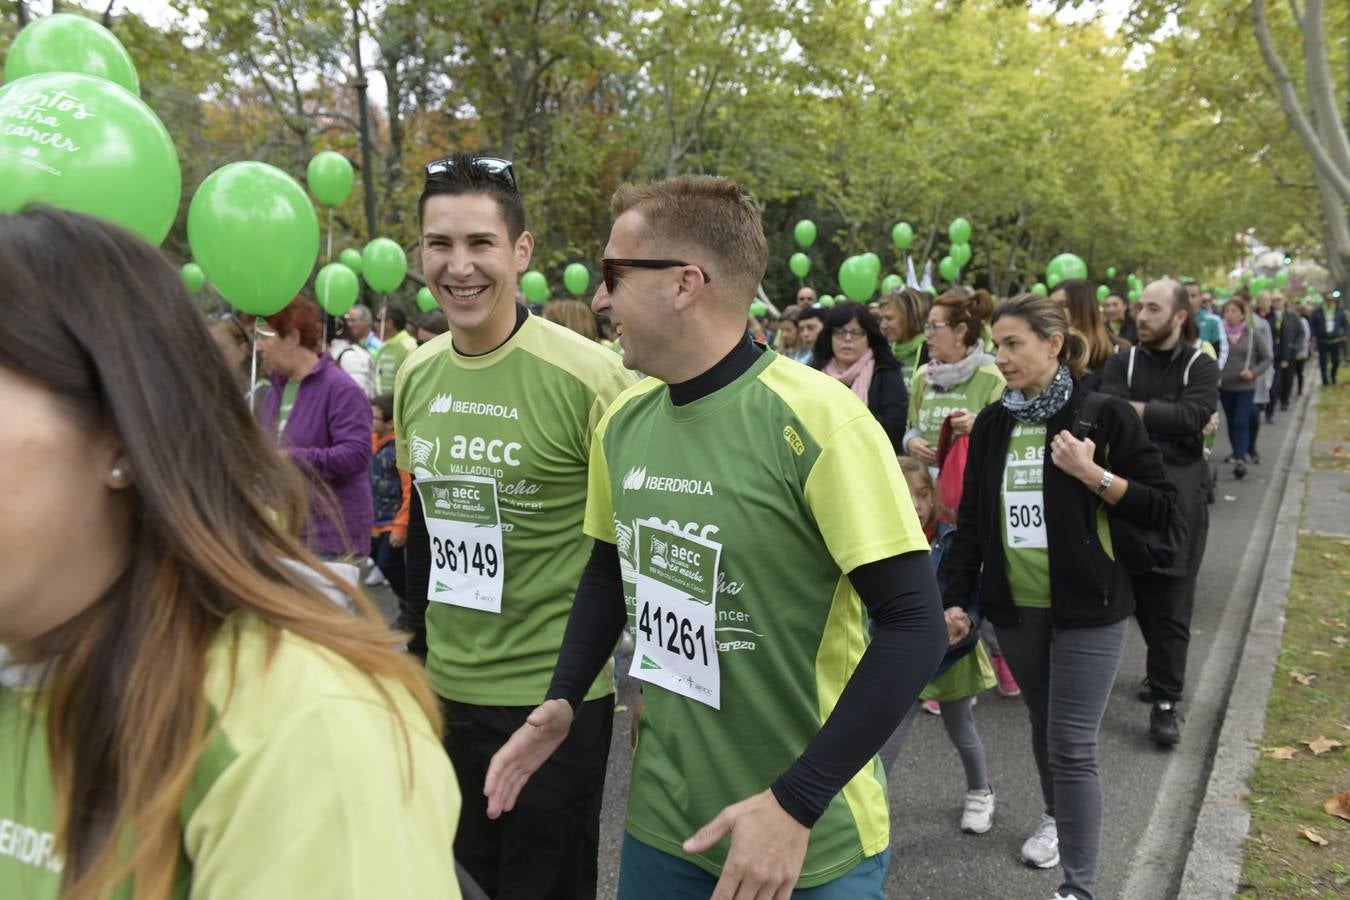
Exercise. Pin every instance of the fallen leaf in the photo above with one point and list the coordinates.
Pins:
(1332, 623)
(1338, 450)
(1338, 806)
(1305, 680)
(1282, 752)
(1321, 745)
(1340, 640)
(1320, 653)
(1313, 836)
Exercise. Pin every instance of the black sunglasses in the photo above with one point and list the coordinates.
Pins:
(609, 268)
(493, 165)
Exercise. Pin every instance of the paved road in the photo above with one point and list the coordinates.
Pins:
(931, 857)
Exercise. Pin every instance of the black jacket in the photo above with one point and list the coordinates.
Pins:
(1284, 331)
(889, 402)
(1318, 326)
(1177, 403)
(1087, 587)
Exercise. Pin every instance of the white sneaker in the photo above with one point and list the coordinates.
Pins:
(375, 577)
(1042, 848)
(978, 816)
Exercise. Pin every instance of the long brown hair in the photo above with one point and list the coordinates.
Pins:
(109, 328)
(1086, 319)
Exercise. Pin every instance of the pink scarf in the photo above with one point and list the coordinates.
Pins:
(857, 376)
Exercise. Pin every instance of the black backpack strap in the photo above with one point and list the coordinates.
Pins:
(1085, 422)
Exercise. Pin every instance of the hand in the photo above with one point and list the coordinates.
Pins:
(958, 625)
(1138, 407)
(1212, 425)
(767, 849)
(1284, 364)
(920, 450)
(397, 540)
(1246, 374)
(522, 755)
(1074, 457)
(962, 422)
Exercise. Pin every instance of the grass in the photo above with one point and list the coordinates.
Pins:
(1287, 795)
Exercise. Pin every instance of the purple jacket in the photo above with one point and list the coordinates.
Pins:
(328, 437)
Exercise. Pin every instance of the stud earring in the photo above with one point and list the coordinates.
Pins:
(118, 476)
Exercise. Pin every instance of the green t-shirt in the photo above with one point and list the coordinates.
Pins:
(932, 405)
(518, 423)
(908, 354)
(302, 791)
(692, 490)
(1025, 553)
(391, 358)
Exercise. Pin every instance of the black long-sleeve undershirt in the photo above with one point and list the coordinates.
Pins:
(900, 593)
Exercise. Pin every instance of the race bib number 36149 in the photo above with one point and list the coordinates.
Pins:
(676, 613)
(464, 525)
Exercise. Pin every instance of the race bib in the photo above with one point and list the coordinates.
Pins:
(1026, 519)
(676, 610)
(1023, 495)
(464, 524)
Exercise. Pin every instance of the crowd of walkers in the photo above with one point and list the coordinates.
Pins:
(966, 492)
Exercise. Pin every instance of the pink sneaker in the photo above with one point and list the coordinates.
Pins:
(931, 707)
(1007, 685)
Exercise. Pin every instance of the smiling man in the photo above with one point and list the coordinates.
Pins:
(755, 768)
(494, 420)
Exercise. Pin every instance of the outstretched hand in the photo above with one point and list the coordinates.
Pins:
(522, 755)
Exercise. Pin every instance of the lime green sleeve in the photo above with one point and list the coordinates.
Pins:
(325, 806)
(859, 498)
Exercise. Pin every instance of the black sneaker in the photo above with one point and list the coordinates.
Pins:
(1145, 694)
(1254, 457)
(1239, 470)
(1164, 724)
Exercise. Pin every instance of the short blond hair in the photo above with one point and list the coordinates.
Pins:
(707, 213)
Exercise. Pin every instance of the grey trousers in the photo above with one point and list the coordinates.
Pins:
(1066, 676)
(958, 719)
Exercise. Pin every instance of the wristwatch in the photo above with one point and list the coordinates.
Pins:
(1104, 485)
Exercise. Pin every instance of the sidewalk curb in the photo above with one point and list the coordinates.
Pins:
(1214, 866)
(1189, 795)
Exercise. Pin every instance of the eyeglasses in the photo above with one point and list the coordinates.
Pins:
(493, 165)
(930, 327)
(609, 268)
(850, 334)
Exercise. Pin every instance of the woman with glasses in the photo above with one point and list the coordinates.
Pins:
(182, 714)
(959, 380)
(852, 349)
(321, 419)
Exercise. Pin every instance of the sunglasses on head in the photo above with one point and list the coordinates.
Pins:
(493, 165)
(609, 268)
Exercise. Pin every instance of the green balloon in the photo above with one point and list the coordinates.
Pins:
(857, 279)
(1103, 292)
(891, 283)
(961, 253)
(1068, 266)
(827, 301)
(193, 277)
(67, 43)
(1135, 294)
(1281, 278)
(1040, 288)
(873, 263)
(1110, 271)
(577, 278)
(337, 288)
(805, 233)
(383, 265)
(330, 177)
(758, 310)
(426, 301)
(800, 264)
(351, 258)
(903, 235)
(949, 269)
(1053, 278)
(84, 144)
(959, 231)
(535, 286)
(253, 231)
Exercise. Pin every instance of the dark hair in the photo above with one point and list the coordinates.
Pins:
(385, 404)
(395, 315)
(969, 308)
(461, 176)
(813, 312)
(301, 315)
(840, 316)
(1181, 302)
(212, 514)
(435, 322)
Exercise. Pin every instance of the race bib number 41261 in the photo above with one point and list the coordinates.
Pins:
(464, 525)
(676, 613)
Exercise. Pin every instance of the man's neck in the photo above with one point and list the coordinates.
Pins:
(1167, 344)
(491, 336)
(704, 354)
